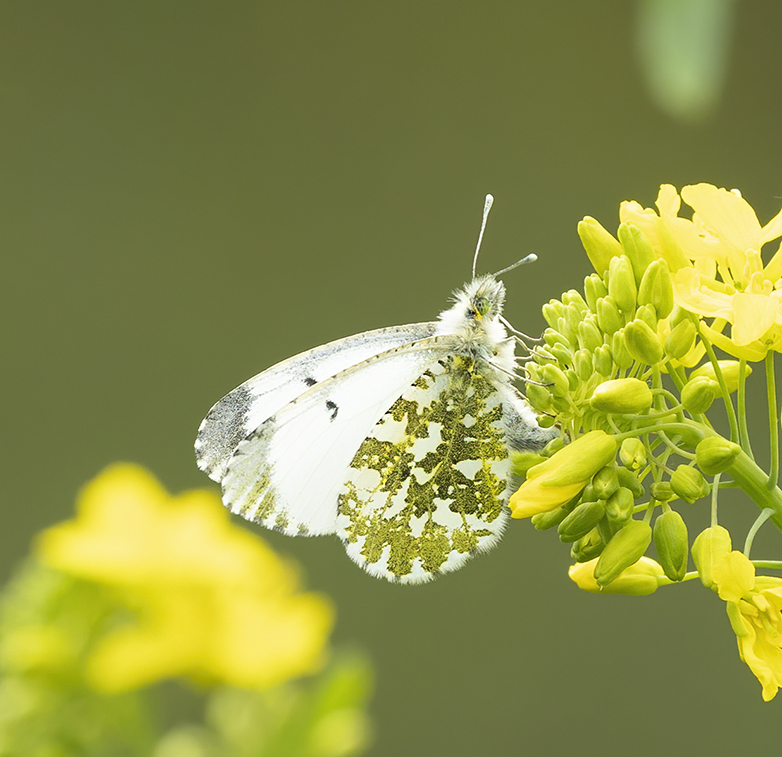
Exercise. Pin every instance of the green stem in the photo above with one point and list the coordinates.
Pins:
(773, 564)
(742, 409)
(715, 489)
(754, 482)
(759, 521)
(734, 426)
(773, 473)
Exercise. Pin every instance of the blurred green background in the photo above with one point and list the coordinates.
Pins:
(192, 191)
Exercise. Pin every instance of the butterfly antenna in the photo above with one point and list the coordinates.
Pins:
(486, 208)
(531, 258)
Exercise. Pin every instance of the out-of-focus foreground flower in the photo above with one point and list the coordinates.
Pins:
(143, 586)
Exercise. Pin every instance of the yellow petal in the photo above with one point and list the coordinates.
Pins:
(753, 316)
(734, 576)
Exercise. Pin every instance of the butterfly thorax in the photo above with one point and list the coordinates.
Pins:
(474, 322)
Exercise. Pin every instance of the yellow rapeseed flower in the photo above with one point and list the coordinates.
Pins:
(716, 263)
(209, 600)
(755, 610)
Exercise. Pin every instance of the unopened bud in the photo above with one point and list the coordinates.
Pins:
(656, 288)
(627, 546)
(689, 484)
(623, 395)
(583, 364)
(621, 283)
(539, 397)
(605, 482)
(699, 393)
(661, 491)
(643, 343)
(710, 548)
(670, 541)
(581, 521)
(714, 454)
(681, 339)
(553, 310)
(632, 453)
(556, 379)
(587, 547)
(521, 462)
(637, 247)
(573, 297)
(608, 316)
(600, 246)
(730, 370)
(630, 480)
(589, 336)
(619, 352)
(594, 289)
(619, 508)
(604, 362)
(639, 579)
(544, 521)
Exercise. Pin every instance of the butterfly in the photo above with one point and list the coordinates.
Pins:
(397, 440)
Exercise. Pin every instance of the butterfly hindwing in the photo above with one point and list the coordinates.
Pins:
(244, 409)
(286, 474)
(426, 488)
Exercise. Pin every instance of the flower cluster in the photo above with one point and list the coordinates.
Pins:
(628, 371)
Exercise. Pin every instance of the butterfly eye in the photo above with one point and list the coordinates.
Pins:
(481, 306)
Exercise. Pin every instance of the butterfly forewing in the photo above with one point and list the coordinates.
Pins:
(287, 473)
(243, 410)
(426, 488)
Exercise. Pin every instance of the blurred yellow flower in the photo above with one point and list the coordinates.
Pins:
(716, 263)
(755, 610)
(209, 600)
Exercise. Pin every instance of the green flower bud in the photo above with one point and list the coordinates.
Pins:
(630, 481)
(521, 462)
(698, 394)
(589, 336)
(553, 310)
(557, 380)
(594, 289)
(632, 454)
(573, 297)
(581, 521)
(600, 246)
(680, 340)
(647, 314)
(554, 446)
(562, 354)
(544, 521)
(539, 397)
(623, 395)
(608, 317)
(573, 317)
(546, 421)
(656, 289)
(643, 343)
(728, 368)
(636, 246)
(587, 547)
(715, 454)
(583, 364)
(661, 491)
(589, 494)
(552, 336)
(670, 541)
(605, 482)
(604, 363)
(709, 549)
(621, 283)
(627, 547)
(572, 379)
(689, 484)
(619, 352)
(567, 329)
(619, 508)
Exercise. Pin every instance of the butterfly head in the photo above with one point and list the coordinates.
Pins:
(482, 298)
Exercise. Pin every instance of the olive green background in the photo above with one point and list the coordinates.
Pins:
(192, 191)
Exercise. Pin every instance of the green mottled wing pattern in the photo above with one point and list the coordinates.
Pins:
(427, 488)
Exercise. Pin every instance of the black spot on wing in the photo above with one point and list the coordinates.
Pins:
(309, 381)
(332, 408)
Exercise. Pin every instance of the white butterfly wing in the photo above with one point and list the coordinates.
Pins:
(288, 472)
(244, 409)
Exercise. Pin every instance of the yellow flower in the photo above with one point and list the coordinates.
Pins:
(755, 610)
(716, 262)
(209, 600)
